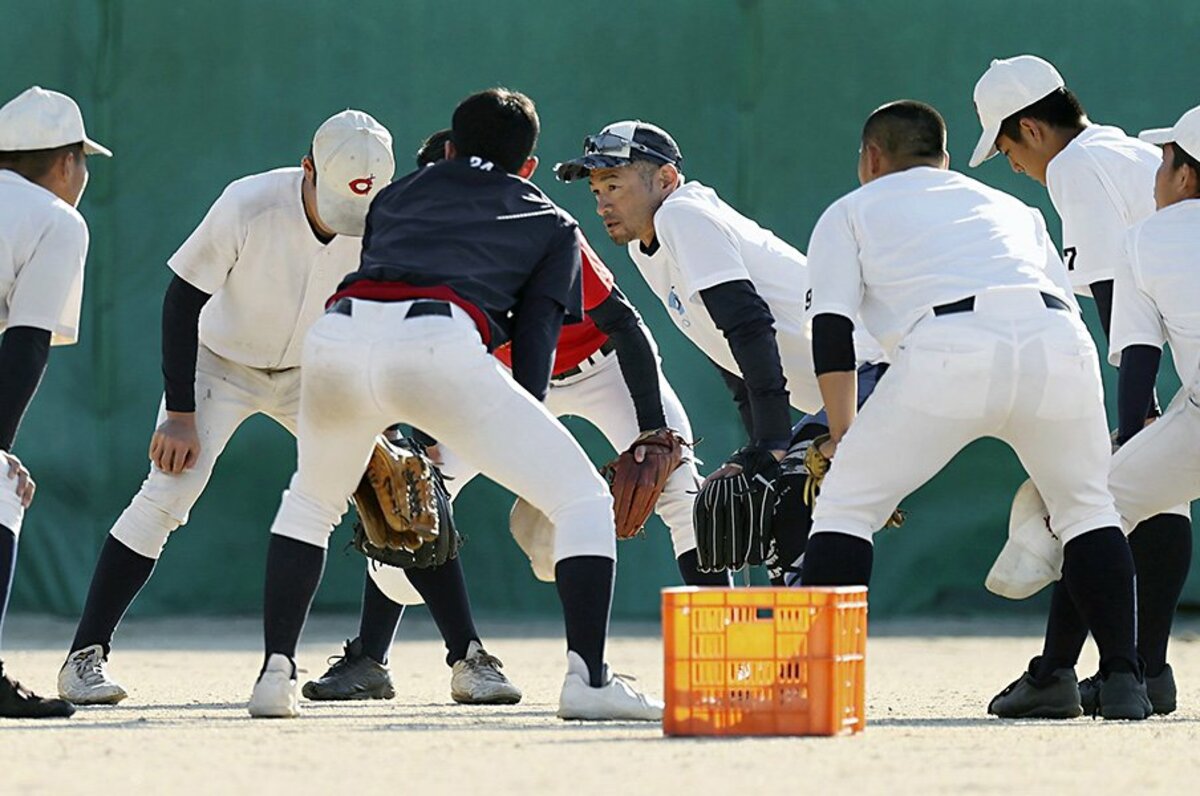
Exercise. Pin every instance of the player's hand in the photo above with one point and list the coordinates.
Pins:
(828, 448)
(175, 446)
(729, 469)
(25, 485)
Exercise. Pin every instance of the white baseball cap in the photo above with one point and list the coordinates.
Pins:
(1185, 134)
(353, 156)
(41, 119)
(1009, 85)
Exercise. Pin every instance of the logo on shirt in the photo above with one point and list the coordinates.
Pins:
(362, 186)
(675, 304)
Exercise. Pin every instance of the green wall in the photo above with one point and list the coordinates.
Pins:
(765, 98)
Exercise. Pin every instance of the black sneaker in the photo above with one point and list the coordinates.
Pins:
(1052, 697)
(1160, 689)
(1123, 696)
(353, 675)
(18, 702)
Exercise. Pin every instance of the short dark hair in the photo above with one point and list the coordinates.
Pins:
(433, 148)
(33, 164)
(1181, 159)
(497, 125)
(1060, 109)
(907, 130)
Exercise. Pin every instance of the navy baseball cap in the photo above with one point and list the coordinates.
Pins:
(619, 144)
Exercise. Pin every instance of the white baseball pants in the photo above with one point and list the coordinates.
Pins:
(1160, 466)
(1011, 369)
(227, 394)
(377, 367)
(599, 395)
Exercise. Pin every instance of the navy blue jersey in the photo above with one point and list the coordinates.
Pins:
(492, 238)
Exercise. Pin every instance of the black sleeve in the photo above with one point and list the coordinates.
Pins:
(745, 320)
(832, 343)
(617, 318)
(740, 397)
(1135, 388)
(180, 340)
(1102, 292)
(537, 322)
(24, 352)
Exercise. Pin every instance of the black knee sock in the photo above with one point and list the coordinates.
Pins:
(837, 559)
(120, 574)
(689, 570)
(585, 587)
(444, 590)
(1162, 555)
(378, 623)
(1098, 573)
(1066, 633)
(294, 570)
(8, 568)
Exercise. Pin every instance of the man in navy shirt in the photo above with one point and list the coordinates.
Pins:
(458, 258)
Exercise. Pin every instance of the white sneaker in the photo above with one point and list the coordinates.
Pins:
(477, 680)
(83, 680)
(615, 700)
(276, 694)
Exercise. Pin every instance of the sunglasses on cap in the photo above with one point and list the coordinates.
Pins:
(618, 146)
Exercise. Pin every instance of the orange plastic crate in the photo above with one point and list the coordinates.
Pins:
(764, 661)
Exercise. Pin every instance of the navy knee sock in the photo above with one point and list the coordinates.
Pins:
(1098, 573)
(837, 559)
(689, 570)
(1162, 555)
(120, 574)
(1066, 633)
(294, 570)
(444, 590)
(8, 568)
(585, 587)
(378, 622)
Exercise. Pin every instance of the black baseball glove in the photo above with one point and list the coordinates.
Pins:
(733, 515)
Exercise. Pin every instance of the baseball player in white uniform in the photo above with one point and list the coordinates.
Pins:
(733, 288)
(458, 258)
(1101, 182)
(963, 287)
(43, 247)
(1157, 301)
(605, 371)
(247, 285)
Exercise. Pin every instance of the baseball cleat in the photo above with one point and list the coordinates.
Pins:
(1160, 689)
(1053, 697)
(1122, 695)
(353, 675)
(615, 700)
(84, 681)
(274, 695)
(477, 680)
(18, 702)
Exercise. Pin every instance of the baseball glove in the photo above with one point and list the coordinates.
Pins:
(404, 514)
(733, 515)
(636, 486)
(817, 464)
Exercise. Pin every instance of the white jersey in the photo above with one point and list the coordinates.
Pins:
(1101, 184)
(907, 242)
(702, 242)
(1156, 296)
(269, 276)
(43, 246)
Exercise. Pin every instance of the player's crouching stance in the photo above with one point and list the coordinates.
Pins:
(961, 284)
(247, 284)
(407, 339)
(1155, 302)
(43, 247)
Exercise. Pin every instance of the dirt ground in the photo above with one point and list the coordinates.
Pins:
(184, 727)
